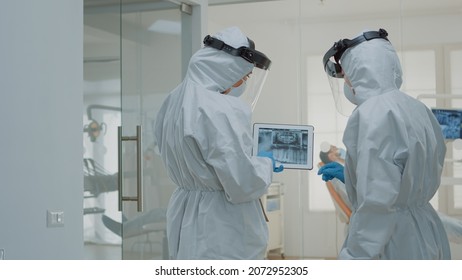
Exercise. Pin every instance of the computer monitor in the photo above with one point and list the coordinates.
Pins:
(450, 121)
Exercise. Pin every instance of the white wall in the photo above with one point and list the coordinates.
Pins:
(41, 128)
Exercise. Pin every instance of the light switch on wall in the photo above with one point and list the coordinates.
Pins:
(55, 218)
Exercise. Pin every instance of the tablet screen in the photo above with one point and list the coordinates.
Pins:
(291, 145)
(450, 121)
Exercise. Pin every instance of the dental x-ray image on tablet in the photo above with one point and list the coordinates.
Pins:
(291, 145)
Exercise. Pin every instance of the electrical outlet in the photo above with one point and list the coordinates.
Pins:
(55, 218)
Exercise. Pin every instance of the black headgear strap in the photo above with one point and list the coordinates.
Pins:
(337, 50)
(342, 45)
(251, 55)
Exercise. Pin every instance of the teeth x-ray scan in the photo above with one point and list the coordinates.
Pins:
(291, 145)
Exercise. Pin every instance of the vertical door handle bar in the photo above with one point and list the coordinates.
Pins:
(139, 170)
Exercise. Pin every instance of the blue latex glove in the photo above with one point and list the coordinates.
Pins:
(332, 170)
(278, 169)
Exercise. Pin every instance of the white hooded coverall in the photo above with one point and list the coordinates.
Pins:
(395, 155)
(205, 142)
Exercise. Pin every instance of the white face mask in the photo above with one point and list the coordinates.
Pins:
(349, 93)
(238, 91)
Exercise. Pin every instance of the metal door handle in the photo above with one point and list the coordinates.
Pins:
(139, 169)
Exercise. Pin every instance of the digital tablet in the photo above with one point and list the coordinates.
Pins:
(291, 145)
(450, 121)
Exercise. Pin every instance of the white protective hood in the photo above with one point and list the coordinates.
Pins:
(371, 74)
(216, 70)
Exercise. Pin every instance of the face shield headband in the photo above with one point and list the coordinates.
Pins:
(260, 60)
(334, 69)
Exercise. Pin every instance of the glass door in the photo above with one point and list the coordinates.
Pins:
(101, 118)
(151, 67)
(155, 39)
(145, 46)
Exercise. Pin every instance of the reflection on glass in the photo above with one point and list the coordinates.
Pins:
(101, 117)
(151, 68)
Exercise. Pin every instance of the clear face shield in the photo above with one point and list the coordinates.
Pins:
(251, 85)
(342, 90)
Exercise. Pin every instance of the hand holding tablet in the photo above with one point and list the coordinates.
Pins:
(269, 155)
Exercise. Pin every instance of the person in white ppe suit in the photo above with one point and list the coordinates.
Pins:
(394, 159)
(204, 137)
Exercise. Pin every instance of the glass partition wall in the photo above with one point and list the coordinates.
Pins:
(102, 116)
(151, 67)
(134, 53)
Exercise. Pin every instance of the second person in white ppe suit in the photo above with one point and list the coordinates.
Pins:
(394, 159)
(204, 136)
